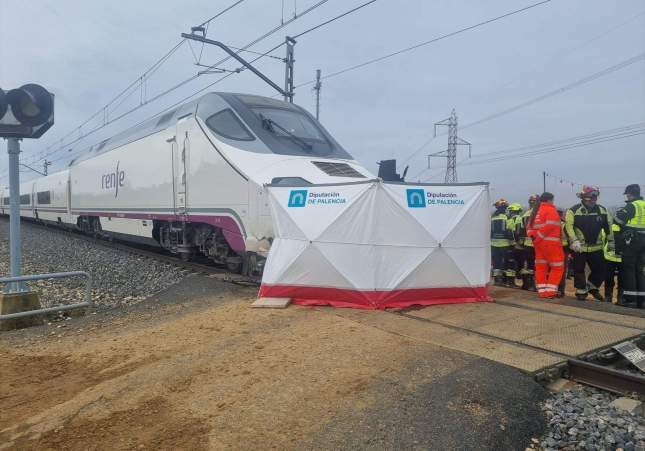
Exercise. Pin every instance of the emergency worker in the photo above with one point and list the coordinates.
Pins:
(545, 229)
(526, 260)
(514, 213)
(584, 223)
(501, 236)
(565, 248)
(631, 244)
(613, 265)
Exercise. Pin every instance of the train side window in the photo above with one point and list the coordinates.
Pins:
(25, 199)
(226, 124)
(44, 197)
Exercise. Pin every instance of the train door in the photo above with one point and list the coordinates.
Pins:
(180, 166)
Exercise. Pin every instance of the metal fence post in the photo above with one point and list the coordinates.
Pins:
(88, 302)
(13, 149)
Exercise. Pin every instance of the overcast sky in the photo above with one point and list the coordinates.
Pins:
(86, 52)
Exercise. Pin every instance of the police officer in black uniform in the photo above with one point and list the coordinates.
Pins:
(630, 242)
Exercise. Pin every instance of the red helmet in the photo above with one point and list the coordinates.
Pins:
(588, 192)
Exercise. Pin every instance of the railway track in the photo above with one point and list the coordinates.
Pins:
(198, 266)
(550, 373)
(611, 370)
(606, 377)
(601, 368)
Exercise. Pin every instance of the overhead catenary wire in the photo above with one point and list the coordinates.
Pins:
(568, 87)
(546, 149)
(534, 100)
(557, 148)
(316, 27)
(612, 131)
(146, 74)
(539, 98)
(577, 47)
(225, 10)
(121, 97)
(346, 13)
(176, 86)
(570, 143)
(424, 43)
(260, 55)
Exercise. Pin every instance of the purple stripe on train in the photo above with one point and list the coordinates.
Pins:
(229, 226)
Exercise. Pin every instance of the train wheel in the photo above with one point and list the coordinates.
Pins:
(234, 264)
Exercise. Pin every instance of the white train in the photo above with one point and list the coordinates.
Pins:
(193, 180)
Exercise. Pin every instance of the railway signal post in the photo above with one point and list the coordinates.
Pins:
(25, 112)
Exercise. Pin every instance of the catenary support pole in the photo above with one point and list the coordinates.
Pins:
(13, 149)
(288, 70)
(317, 87)
(544, 181)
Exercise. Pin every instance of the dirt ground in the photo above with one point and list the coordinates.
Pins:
(198, 369)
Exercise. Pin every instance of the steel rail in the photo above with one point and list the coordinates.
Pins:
(606, 378)
(159, 254)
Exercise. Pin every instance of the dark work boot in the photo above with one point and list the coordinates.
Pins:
(609, 295)
(532, 283)
(581, 296)
(509, 281)
(525, 281)
(596, 294)
(499, 281)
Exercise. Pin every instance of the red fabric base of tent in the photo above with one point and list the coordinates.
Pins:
(339, 297)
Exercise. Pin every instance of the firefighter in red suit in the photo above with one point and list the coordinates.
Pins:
(545, 229)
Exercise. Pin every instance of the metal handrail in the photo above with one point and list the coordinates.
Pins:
(55, 275)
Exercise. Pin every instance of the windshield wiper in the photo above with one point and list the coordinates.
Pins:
(268, 124)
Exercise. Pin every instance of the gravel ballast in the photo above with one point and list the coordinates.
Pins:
(119, 278)
(582, 418)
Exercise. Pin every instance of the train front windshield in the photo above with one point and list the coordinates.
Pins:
(289, 123)
(284, 128)
(293, 128)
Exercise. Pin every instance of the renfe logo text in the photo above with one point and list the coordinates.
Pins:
(113, 180)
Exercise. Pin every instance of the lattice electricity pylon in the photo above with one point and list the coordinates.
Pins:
(451, 153)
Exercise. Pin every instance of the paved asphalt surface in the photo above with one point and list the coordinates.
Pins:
(482, 405)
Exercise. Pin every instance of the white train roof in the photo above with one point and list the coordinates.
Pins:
(204, 107)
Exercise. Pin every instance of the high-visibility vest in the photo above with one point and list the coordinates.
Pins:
(563, 233)
(586, 226)
(499, 231)
(609, 249)
(510, 224)
(638, 221)
(522, 224)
